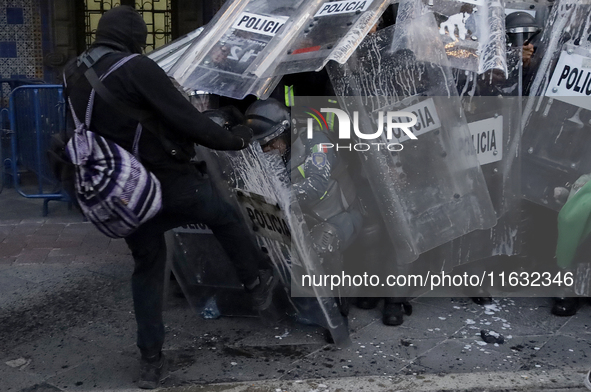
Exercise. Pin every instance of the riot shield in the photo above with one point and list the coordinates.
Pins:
(251, 43)
(473, 31)
(493, 112)
(332, 32)
(556, 116)
(166, 56)
(261, 192)
(432, 191)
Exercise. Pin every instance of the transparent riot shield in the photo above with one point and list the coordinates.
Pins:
(261, 192)
(332, 32)
(557, 113)
(251, 43)
(493, 111)
(431, 190)
(473, 32)
(167, 55)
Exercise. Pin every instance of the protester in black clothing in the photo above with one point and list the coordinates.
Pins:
(188, 195)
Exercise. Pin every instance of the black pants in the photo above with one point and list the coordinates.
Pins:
(190, 198)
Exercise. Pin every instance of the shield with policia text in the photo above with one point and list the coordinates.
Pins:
(274, 37)
(493, 111)
(249, 44)
(261, 192)
(557, 118)
(557, 113)
(432, 190)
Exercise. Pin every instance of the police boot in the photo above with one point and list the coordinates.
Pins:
(367, 302)
(481, 296)
(565, 306)
(394, 311)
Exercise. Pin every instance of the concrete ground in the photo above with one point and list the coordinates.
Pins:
(67, 324)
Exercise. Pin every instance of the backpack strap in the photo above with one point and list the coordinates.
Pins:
(99, 87)
(142, 116)
(113, 68)
(92, 55)
(88, 58)
(90, 105)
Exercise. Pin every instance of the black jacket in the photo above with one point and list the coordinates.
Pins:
(142, 84)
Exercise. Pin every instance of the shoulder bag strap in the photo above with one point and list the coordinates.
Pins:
(142, 116)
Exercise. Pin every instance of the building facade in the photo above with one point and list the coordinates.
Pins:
(38, 37)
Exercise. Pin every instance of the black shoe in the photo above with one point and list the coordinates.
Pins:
(481, 296)
(367, 303)
(482, 300)
(565, 306)
(262, 294)
(394, 312)
(152, 373)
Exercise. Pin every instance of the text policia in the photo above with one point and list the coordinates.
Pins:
(342, 7)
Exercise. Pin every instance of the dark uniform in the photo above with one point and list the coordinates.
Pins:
(165, 149)
(323, 188)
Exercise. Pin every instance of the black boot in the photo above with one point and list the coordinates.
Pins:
(152, 371)
(481, 296)
(394, 311)
(367, 302)
(565, 306)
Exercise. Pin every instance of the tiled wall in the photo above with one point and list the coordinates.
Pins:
(21, 54)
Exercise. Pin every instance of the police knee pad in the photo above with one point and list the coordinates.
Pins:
(325, 238)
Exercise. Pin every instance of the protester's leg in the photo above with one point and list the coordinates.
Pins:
(149, 253)
(253, 267)
(193, 199)
(197, 201)
(240, 246)
(186, 199)
(148, 248)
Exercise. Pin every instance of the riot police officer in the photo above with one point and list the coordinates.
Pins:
(522, 29)
(320, 181)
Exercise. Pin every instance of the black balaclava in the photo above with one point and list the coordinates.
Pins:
(122, 28)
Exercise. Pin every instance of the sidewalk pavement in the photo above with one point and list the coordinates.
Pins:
(67, 324)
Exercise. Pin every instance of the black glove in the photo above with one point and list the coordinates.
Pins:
(243, 132)
(225, 117)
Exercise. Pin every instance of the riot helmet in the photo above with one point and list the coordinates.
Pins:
(521, 24)
(268, 120)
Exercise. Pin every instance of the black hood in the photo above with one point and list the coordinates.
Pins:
(122, 28)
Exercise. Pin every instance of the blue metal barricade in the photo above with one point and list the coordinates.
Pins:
(36, 113)
(4, 148)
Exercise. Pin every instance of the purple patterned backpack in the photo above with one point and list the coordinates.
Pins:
(115, 191)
